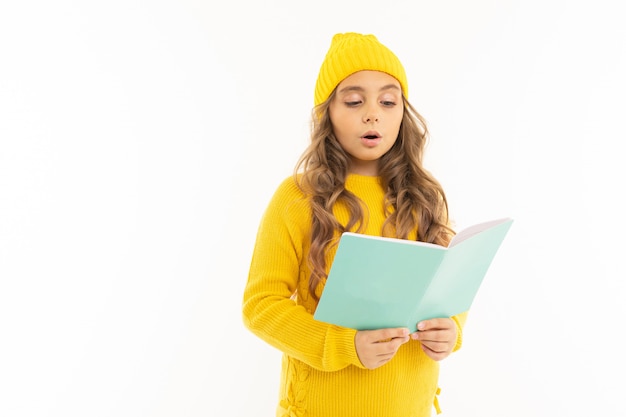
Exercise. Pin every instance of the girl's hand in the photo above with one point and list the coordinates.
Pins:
(437, 336)
(376, 347)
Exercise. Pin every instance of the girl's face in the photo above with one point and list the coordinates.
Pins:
(366, 113)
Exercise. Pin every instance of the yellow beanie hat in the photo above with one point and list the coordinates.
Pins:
(351, 52)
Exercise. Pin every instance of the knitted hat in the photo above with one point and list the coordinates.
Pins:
(352, 52)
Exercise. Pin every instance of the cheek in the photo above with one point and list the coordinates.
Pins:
(334, 118)
(398, 121)
(340, 122)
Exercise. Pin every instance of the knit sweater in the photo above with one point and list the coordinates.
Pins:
(321, 372)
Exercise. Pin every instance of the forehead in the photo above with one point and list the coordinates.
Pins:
(369, 80)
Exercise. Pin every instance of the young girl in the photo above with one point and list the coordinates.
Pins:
(362, 172)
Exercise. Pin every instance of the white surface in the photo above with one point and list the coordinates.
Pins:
(140, 143)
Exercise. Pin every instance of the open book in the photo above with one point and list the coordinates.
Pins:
(378, 282)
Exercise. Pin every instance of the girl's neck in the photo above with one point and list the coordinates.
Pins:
(363, 175)
(364, 168)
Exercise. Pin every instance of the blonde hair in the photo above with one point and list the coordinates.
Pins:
(414, 199)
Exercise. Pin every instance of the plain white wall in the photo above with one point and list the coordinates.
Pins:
(140, 143)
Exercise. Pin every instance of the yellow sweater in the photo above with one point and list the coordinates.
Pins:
(321, 372)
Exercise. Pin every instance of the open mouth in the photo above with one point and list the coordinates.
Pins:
(371, 139)
(371, 135)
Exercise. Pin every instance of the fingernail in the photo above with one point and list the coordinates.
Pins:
(421, 325)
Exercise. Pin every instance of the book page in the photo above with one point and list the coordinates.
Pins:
(396, 240)
(475, 229)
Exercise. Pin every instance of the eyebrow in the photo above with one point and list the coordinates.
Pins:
(360, 89)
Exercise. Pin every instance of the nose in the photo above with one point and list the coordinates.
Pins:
(370, 116)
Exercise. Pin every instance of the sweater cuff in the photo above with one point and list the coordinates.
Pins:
(340, 348)
(459, 321)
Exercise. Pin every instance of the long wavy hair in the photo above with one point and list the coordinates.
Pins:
(414, 199)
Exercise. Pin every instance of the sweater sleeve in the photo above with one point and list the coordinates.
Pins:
(269, 310)
(459, 320)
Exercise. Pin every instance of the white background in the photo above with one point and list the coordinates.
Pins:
(141, 141)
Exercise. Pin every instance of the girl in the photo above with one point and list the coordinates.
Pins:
(362, 172)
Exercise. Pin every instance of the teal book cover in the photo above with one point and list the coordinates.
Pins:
(379, 282)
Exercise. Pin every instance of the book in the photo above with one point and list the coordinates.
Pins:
(381, 282)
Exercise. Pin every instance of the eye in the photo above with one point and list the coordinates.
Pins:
(353, 103)
(387, 103)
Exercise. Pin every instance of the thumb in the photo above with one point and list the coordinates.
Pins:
(392, 333)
